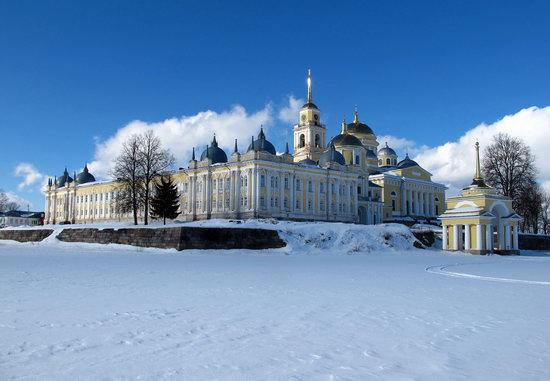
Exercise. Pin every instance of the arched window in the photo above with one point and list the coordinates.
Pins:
(302, 141)
(393, 194)
(317, 140)
(388, 161)
(379, 161)
(357, 159)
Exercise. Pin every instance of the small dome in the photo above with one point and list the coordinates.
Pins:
(387, 151)
(64, 179)
(307, 161)
(345, 140)
(85, 176)
(214, 153)
(310, 105)
(371, 155)
(357, 127)
(406, 163)
(331, 155)
(262, 144)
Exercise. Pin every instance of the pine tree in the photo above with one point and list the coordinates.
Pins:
(165, 203)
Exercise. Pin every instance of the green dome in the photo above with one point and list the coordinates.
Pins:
(345, 140)
(85, 176)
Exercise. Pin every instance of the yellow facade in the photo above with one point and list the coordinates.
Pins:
(479, 220)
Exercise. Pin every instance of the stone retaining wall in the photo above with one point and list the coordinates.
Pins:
(179, 238)
(30, 235)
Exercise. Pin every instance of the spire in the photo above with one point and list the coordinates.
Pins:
(286, 149)
(193, 156)
(214, 142)
(236, 149)
(86, 168)
(74, 176)
(309, 95)
(478, 169)
(356, 117)
(252, 143)
(386, 144)
(344, 126)
(261, 135)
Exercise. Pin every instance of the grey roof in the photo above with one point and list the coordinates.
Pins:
(360, 128)
(262, 144)
(373, 185)
(64, 179)
(85, 176)
(308, 161)
(310, 105)
(406, 163)
(371, 154)
(331, 155)
(387, 151)
(345, 140)
(214, 153)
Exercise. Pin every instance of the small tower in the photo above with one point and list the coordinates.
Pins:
(309, 133)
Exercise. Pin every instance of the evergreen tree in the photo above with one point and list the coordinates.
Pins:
(165, 202)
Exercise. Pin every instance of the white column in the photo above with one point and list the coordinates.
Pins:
(456, 243)
(416, 211)
(515, 238)
(444, 238)
(507, 237)
(403, 201)
(467, 237)
(422, 213)
(232, 186)
(479, 236)
(268, 187)
(258, 188)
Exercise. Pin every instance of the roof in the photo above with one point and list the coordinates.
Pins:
(359, 128)
(406, 163)
(21, 214)
(345, 140)
(85, 176)
(387, 151)
(310, 105)
(308, 161)
(262, 144)
(331, 155)
(214, 153)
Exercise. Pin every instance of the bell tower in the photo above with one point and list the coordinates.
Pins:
(309, 133)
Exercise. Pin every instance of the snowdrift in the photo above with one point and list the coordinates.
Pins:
(300, 237)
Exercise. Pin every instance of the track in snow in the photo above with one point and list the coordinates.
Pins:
(442, 270)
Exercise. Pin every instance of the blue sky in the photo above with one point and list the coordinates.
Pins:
(73, 73)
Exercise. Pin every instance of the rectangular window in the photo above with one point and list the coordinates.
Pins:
(310, 186)
(262, 180)
(298, 185)
(322, 187)
(286, 182)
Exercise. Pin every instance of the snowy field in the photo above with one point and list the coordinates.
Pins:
(315, 310)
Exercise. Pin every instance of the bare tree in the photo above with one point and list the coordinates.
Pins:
(545, 213)
(530, 206)
(154, 162)
(509, 166)
(4, 200)
(128, 173)
(12, 205)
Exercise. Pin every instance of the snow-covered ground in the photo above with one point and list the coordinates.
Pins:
(350, 304)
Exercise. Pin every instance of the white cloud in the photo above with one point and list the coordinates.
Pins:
(453, 163)
(30, 175)
(180, 135)
(289, 113)
(400, 145)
